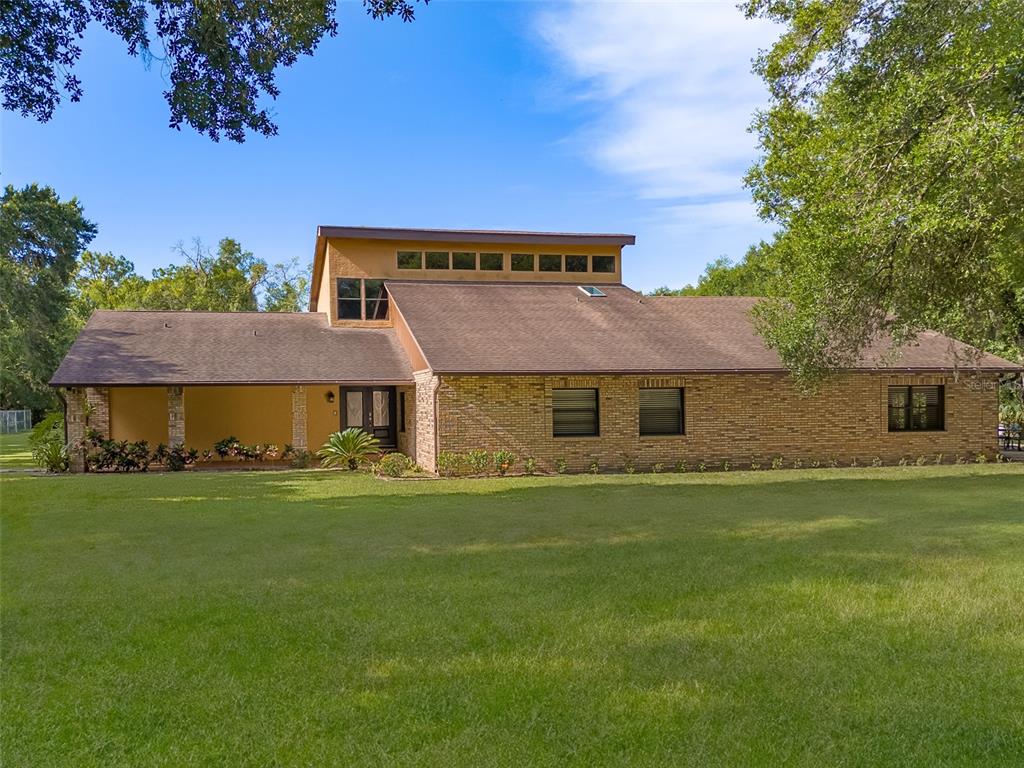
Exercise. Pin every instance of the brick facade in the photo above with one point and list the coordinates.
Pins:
(175, 415)
(426, 386)
(739, 417)
(78, 421)
(406, 430)
(299, 419)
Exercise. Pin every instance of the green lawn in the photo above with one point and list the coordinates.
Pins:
(14, 451)
(816, 618)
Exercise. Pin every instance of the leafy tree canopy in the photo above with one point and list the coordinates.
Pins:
(41, 237)
(230, 280)
(220, 58)
(893, 164)
(749, 277)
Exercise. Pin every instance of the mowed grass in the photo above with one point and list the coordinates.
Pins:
(14, 451)
(814, 618)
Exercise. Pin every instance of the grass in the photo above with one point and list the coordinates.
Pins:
(14, 451)
(807, 618)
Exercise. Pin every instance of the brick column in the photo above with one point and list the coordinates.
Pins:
(426, 426)
(299, 439)
(175, 415)
(75, 420)
(99, 404)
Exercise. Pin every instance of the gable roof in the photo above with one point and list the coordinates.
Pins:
(554, 328)
(193, 348)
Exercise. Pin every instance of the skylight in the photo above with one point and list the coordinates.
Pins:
(591, 290)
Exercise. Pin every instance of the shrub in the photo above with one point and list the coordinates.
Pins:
(798, 464)
(349, 448)
(904, 461)
(478, 462)
(448, 463)
(561, 466)
(815, 464)
(658, 468)
(876, 462)
(726, 466)
(628, 463)
(921, 460)
(981, 458)
(503, 461)
(393, 465)
(227, 447)
(179, 457)
(702, 467)
(530, 465)
(755, 464)
(938, 458)
(47, 443)
(595, 468)
(680, 466)
(300, 458)
(777, 462)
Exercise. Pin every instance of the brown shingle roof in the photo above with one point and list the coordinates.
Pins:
(477, 235)
(175, 348)
(556, 329)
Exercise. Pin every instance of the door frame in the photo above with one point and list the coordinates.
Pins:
(391, 441)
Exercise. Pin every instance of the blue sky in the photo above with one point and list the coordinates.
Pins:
(572, 116)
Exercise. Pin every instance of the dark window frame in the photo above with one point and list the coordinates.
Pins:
(349, 301)
(381, 299)
(543, 256)
(681, 429)
(400, 254)
(577, 260)
(447, 259)
(490, 255)
(596, 410)
(456, 254)
(907, 409)
(519, 257)
(594, 263)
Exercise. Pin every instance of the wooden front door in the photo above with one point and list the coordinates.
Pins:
(371, 409)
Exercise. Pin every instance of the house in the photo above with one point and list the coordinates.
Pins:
(455, 340)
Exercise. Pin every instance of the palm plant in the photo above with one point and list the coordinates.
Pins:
(351, 447)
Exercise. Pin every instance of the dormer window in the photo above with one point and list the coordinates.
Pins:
(362, 299)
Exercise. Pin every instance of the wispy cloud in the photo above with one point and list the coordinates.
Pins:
(671, 93)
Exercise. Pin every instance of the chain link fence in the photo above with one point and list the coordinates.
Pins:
(15, 421)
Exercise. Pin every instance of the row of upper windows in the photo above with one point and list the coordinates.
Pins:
(496, 262)
(577, 413)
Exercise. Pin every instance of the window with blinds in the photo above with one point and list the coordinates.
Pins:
(917, 408)
(574, 412)
(661, 412)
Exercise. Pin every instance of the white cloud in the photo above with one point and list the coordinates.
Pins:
(673, 93)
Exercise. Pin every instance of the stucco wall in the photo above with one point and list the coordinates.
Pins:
(139, 413)
(735, 416)
(253, 414)
(322, 417)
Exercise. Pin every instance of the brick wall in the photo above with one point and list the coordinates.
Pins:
(98, 399)
(426, 384)
(175, 416)
(738, 417)
(300, 437)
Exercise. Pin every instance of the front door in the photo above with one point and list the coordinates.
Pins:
(372, 409)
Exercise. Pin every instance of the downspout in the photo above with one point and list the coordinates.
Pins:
(437, 422)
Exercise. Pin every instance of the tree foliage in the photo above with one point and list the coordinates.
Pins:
(220, 59)
(231, 279)
(41, 237)
(893, 163)
(751, 276)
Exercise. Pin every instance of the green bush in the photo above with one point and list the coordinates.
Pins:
(393, 465)
(47, 443)
(530, 465)
(478, 461)
(448, 463)
(349, 448)
(561, 466)
(300, 458)
(503, 461)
